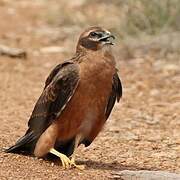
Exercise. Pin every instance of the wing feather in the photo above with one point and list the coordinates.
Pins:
(59, 89)
(115, 94)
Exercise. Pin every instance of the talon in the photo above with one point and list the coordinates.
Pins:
(66, 162)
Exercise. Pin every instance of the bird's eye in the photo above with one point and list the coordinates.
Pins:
(93, 34)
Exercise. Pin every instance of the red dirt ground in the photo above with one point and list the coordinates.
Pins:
(143, 131)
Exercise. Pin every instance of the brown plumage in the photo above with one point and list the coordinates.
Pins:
(77, 99)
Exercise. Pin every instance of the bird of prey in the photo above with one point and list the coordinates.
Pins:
(77, 99)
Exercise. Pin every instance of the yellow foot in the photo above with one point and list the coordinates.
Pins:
(73, 164)
(66, 162)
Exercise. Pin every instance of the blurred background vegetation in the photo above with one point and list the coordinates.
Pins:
(143, 27)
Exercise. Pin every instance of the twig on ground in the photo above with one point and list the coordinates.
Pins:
(12, 52)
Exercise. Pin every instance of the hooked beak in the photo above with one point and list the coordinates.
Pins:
(107, 38)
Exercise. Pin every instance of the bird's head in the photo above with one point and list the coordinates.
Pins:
(95, 38)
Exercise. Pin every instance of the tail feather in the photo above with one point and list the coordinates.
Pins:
(24, 144)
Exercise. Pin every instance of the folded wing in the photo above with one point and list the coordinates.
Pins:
(116, 94)
(59, 88)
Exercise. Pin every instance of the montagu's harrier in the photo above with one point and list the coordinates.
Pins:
(77, 99)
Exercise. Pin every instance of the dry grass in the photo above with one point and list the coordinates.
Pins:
(133, 22)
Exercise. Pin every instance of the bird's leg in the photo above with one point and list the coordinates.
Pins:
(77, 140)
(66, 162)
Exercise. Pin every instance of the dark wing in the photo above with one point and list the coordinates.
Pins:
(55, 71)
(58, 91)
(116, 94)
(59, 88)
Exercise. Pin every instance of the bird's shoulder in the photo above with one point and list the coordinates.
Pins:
(59, 89)
(64, 68)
